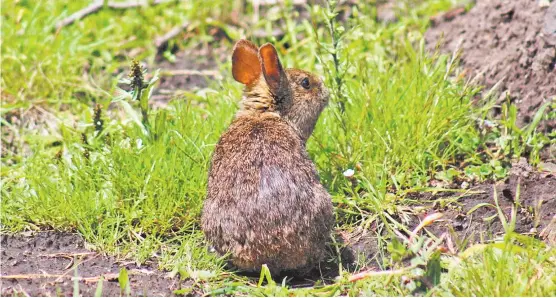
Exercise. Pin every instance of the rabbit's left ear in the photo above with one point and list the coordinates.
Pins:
(273, 72)
(246, 67)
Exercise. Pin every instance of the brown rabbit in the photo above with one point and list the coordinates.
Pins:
(265, 204)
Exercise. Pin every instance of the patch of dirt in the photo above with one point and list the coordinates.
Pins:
(190, 71)
(536, 209)
(56, 254)
(470, 217)
(512, 41)
(19, 121)
(44, 265)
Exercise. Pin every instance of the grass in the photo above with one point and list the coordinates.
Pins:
(517, 266)
(513, 270)
(399, 118)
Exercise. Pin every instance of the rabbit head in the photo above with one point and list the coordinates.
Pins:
(295, 95)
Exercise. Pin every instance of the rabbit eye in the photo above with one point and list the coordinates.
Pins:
(305, 83)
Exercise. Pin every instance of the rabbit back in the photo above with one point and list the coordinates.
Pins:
(265, 204)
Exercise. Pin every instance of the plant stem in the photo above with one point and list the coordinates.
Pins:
(336, 44)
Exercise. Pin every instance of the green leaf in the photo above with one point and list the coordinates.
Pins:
(98, 291)
(183, 291)
(133, 114)
(485, 170)
(536, 119)
(123, 280)
(202, 275)
(397, 250)
(434, 269)
(265, 274)
(479, 206)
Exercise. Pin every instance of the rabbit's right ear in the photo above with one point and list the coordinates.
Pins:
(246, 67)
(272, 69)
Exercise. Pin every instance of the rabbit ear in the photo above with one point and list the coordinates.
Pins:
(246, 67)
(272, 68)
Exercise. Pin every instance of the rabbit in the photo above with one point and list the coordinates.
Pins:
(265, 203)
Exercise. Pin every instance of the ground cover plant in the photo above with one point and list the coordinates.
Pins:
(88, 148)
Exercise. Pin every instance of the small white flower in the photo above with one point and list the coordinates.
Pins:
(139, 144)
(349, 173)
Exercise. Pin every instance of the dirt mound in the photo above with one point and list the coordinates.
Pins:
(512, 41)
(44, 265)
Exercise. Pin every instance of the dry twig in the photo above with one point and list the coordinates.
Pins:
(426, 221)
(191, 72)
(67, 254)
(107, 276)
(162, 40)
(366, 274)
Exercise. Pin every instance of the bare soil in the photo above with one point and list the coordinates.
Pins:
(26, 261)
(508, 41)
(192, 70)
(536, 208)
(466, 223)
